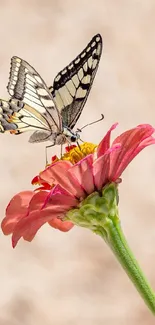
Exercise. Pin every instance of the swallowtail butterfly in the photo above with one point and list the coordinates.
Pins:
(51, 112)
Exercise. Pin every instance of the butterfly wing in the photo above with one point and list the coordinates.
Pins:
(39, 111)
(5, 113)
(17, 117)
(72, 85)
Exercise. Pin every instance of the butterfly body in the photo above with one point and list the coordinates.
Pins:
(51, 112)
(66, 136)
(14, 111)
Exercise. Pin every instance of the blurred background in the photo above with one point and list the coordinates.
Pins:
(73, 278)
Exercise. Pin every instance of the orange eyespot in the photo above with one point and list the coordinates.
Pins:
(13, 132)
(9, 118)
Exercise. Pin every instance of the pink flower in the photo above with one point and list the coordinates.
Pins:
(65, 184)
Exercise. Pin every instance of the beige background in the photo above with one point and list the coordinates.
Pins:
(73, 278)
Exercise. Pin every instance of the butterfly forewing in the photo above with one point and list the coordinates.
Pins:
(25, 84)
(72, 85)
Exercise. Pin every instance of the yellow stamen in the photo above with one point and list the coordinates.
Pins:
(73, 155)
(78, 153)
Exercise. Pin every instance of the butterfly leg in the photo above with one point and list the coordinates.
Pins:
(78, 145)
(46, 152)
(61, 150)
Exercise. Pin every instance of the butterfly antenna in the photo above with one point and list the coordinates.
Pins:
(102, 117)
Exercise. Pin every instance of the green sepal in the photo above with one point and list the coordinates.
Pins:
(97, 210)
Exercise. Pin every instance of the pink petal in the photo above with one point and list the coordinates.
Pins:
(28, 226)
(61, 225)
(58, 174)
(104, 145)
(83, 173)
(59, 196)
(101, 168)
(132, 142)
(54, 172)
(55, 205)
(16, 210)
(38, 200)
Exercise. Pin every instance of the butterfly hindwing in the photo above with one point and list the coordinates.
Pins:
(72, 85)
(17, 117)
(26, 85)
(5, 113)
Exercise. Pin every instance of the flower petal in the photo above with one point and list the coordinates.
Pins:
(101, 168)
(61, 225)
(16, 210)
(84, 174)
(132, 142)
(59, 195)
(104, 145)
(45, 208)
(29, 225)
(58, 174)
(54, 172)
(38, 200)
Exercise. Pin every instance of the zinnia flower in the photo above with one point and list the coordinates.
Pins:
(81, 189)
(67, 182)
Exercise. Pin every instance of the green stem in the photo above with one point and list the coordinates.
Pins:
(117, 242)
(99, 213)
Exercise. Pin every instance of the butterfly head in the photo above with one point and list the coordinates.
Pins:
(70, 135)
(75, 137)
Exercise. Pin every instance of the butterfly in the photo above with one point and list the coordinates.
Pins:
(51, 112)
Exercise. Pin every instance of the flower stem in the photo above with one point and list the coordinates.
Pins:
(99, 213)
(117, 242)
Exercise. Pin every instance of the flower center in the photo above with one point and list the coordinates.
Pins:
(73, 154)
